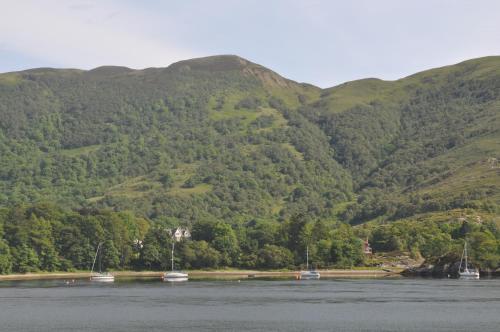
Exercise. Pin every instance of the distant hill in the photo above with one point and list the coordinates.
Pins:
(224, 138)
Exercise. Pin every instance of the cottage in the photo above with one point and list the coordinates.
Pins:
(181, 233)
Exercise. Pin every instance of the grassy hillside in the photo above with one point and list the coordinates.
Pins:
(423, 143)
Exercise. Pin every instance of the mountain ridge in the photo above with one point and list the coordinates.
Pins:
(237, 59)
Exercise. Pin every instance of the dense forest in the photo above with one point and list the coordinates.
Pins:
(257, 166)
(43, 237)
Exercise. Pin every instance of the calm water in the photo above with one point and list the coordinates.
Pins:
(253, 305)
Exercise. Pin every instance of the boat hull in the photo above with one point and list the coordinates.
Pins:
(104, 277)
(309, 275)
(175, 277)
(469, 275)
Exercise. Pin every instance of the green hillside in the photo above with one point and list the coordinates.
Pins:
(224, 142)
(423, 143)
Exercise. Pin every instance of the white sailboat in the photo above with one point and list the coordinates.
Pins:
(309, 274)
(174, 276)
(100, 276)
(467, 273)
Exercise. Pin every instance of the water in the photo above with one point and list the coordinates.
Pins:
(253, 305)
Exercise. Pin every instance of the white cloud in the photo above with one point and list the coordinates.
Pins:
(85, 34)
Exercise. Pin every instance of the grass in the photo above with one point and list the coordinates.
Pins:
(244, 115)
(277, 206)
(449, 216)
(298, 155)
(136, 187)
(141, 186)
(196, 190)
(133, 188)
(362, 92)
(10, 79)
(470, 170)
(181, 174)
(82, 151)
(95, 199)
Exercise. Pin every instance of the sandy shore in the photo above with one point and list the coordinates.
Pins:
(222, 274)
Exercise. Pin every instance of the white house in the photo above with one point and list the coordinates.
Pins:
(180, 233)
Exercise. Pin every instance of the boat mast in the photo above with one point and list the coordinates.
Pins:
(466, 263)
(307, 258)
(95, 257)
(461, 260)
(100, 261)
(172, 256)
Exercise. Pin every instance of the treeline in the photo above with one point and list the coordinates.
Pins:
(46, 238)
(434, 240)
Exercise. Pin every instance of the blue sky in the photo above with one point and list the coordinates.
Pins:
(316, 41)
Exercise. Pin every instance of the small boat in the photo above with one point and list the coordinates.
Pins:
(174, 276)
(466, 272)
(100, 276)
(309, 274)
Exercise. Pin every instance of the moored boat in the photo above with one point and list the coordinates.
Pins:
(467, 273)
(100, 276)
(309, 274)
(174, 276)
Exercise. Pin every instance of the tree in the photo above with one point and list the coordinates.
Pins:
(110, 255)
(485, 249)
(436, 246)
(25, 259)
(41, 240)
(156, 251)
(5, 258)
(226, 243)
(199, 254)
(347, 249)
(262, 231)
(274, 257)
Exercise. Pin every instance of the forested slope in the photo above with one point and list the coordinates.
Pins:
(222, 142)
(427, 142)
(216, 135)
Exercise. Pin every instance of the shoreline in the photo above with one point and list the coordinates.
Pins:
(197, 274)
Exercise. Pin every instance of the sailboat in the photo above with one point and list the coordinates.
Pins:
(100, 276)
(309, 274)
(174, 276)
(467, 273)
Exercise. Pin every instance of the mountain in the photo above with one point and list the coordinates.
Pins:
(256, 165)
(205, 137)
(429, 141)
(226, 138)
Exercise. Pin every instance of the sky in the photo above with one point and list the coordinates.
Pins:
(322, 42)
